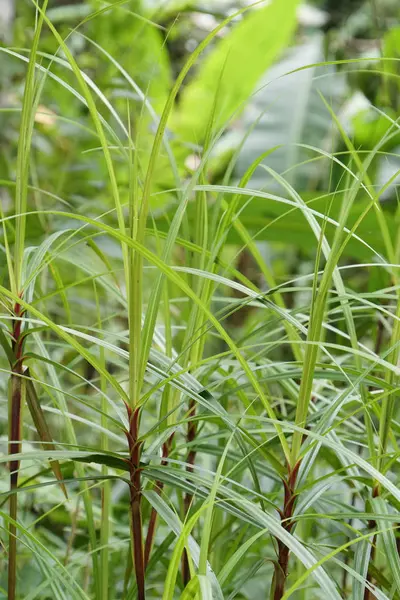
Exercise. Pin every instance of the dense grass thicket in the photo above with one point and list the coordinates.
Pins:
(199, 300)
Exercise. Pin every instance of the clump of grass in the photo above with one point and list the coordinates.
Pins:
(212, 461)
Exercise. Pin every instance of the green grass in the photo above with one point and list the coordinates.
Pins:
(178, 428)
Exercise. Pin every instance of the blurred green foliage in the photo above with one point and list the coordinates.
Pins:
(267, 85)
(149, 41)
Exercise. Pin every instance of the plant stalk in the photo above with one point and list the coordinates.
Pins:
(135, 446)
(281, 565)
(191, 434)
(14, 443)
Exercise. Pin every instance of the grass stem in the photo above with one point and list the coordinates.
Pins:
(281, 565)
(135, 446)
(14, 444)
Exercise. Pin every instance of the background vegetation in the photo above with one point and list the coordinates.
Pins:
(200, 301)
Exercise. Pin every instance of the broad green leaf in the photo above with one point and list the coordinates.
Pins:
(290, 112)
(232, 70)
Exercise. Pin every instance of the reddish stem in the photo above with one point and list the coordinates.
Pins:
(14, 443)
(135, 446)
(191, 457)
(282, 563)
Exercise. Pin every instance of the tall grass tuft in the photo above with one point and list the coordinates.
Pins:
(194, 431)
